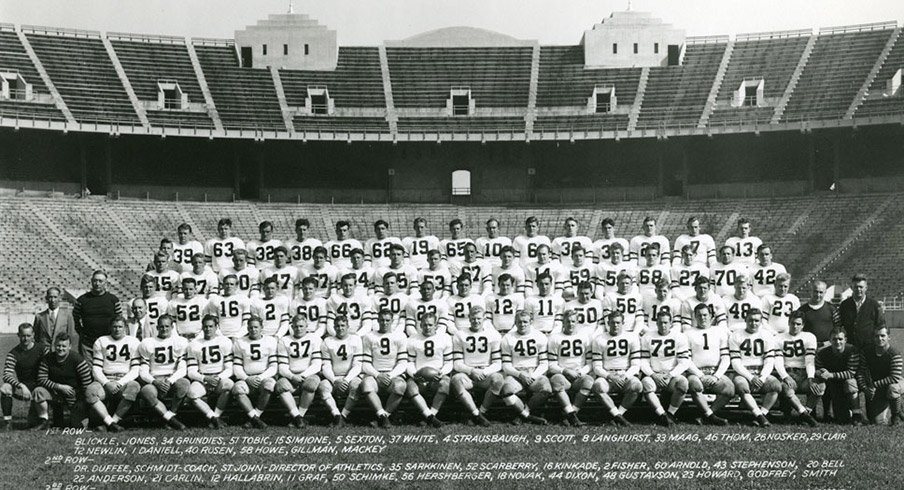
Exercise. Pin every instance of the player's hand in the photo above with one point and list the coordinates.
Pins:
(164, 385)
(253, 382)
(756, 383)
(617, 379)
(114, 387)
(438, 377)
(341, 384)
(709, 381)
(792, 385)
(822, 373)
(662, 380)
(67, 391)
(813, 387)
(525, 379)
(570, 374)
(211, 381)
(383, 379)
(478, 375)
(870, 392)
(26, 393)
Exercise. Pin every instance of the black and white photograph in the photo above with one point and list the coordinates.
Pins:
(634, 244)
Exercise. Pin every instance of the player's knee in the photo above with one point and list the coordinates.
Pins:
(94, 393)
(724, 387)
(149, 393)
(310, 384)
(284, 386)
(633, 385)
(818, 388)
(196, 391)
(694, 385)
(787, 390)
(742, 386)
(240, 388)
(411, 389)
(600, 386)
(354, 386)
(771, 385)
(130, 391)
(225, 385)
(369, 385)
(850, 387)
(180, 388)
(559, 383)
(496, 382)
(460, 383)
(649, 386)
(510, 387)
(584, 383)
(541, 386)
(325, 388)
(678, 383)
(894, 391)
(6, 390)
(397, 386)
(268, 384)
(442, 385)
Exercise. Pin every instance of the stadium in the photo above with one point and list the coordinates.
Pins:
(110, 140)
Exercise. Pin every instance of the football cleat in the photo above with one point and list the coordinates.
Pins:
(174, 424)
(714, 419)
(383, 422)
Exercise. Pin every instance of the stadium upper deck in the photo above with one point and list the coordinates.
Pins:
(144, 84)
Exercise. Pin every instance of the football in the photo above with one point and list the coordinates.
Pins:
(426, 373)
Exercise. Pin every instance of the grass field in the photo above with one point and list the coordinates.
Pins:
(829, 456)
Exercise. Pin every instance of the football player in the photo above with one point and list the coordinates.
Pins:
(545, 265)
(62, 378)
(429, 366)
(232, 307)
(570, 361)
(428, 303)
(525, 246)
(501, 307)
(406, 274)
(561, 246)
(837, 368)
(478, 269)
(206, 280)
(589, 311)
(710, 361)
(609, 269)
(364, 273)
(454, 248)
(546, 306)
(639, 244)
(686, 272)
(356, 308)
(20, 371)
(702, 294)
(726, 271)
(156, 305)
(491, 245)
(115, 370)
(652, 270)
(301, 249)
(779, 305)
(703, 247)
(628, 302)
(162, 371)
(255, 364)
(665, 359)
(392, 300)
(601, 247)
(272, 308)
(323, 272)
(881, 367)
(376, 250)
(247, 277)
(510, 267)
(477, 362)
(165, 281)
(210, 369)
(188, 310)
(300, 363)
(579, 269)
(218, 251)
(616, 363)
(795, 365)
(744, 245)
(661, 301)
(525, 364)
(260, 252)
(185, 247)
(437, 273)
(340, 249)
(287, 276)
(418, 245)
(739, 303)
(764, 272)
(385, 361)
(313, 307)
(461, 303)
(341, 370)
(753, 359)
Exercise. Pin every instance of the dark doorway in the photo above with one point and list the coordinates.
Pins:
(674, 54)
(246, 57)
(249, 178)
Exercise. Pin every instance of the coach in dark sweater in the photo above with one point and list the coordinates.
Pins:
(62, 376)
(860, 315)
(93, 313)
(820, 316)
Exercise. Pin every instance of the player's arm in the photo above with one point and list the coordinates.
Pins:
(283, 328)
(402, 362)
(508, 368)
(272, 366)
(9, 370)
(736, 363)
(684, 358)
(597, 364)
(588, 360)
(83, 370)
(447, 360)
(192, 372)
(326, 368)
(411, 368)
(144, 367)
(316, 365)
(282, 359)
(458, 357)
(367, 357)
(895, 373)
(769, 360)
(724, 358)
(552, 358)
(779, 365)
(495, 365)
(228, 361)
(543, 365)
(644, 361)
(635, 359)
(179, 373)
(367, 319)
(132, 373)
(238, 366)
(97, 365)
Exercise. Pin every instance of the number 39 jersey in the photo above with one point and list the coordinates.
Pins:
(255, 356)
(115, 357)
(433, 351)
(162, 356)
(664, 352)
(210, 357)
(477, 349)
(384, 350)
(752, 349)
(616, 353)
(524, 352)
(299, 353)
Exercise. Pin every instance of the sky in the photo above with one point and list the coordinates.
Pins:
(369, 22)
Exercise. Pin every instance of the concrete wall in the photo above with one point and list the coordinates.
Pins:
(293, 31)
(625, 29)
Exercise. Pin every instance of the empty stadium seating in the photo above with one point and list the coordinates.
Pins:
(877, 102)
(356, 82)
(82, 72)
(147, 60)
(463, 124)
(423, 77)
(676, 95)
(14, 58)
(245, 97)
(773, 61)
(120, 236)
(836, 70)
(594, 122)
(340, 124)
(563, 80)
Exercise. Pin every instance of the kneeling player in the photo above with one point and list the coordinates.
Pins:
(20, 372)
(299, 368)
(570, 361)
(254, 366)
(525, 364)
(210, 369)
(162, 370)
(616, 362)
(752, 359)
(795, 364)
(836, 372)
(665, 359)
(384, 363)
(115, 373)
(477, 362)
(709, 362)
(341, 370)
(429, 365)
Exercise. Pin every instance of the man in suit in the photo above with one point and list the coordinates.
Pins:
(860, 315)
(54, 319)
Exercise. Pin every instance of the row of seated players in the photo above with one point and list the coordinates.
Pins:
(378, 253)
(385, 366)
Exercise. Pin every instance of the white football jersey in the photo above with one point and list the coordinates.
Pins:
(220, 251)
(751, 349)
(233, 312)
(683, 277)
(736, 309)
(722, 276)
(762, 278)
(707, 345)
(162, 356)
(418, 248)
(703, 247)
(777, 310)
(183, 252)
(261, 253)
(302, 252)
(491, 248)
(255, 356)
(274, 312)
(601, 248)
(188, 314)
(477, 349)
(639, 244)
(526, 247)
(501, 310)
(524, 352)
(299, 353)
(339, 252)
(562, 245)
(210, 357)
(206, 283)
(377, 250)
(434, 351)
(745, 248)
(326, 277)
(546, 311)
(114, 358)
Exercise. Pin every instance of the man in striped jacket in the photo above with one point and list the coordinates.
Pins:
(880, 378)
(836, 372)
(63, 376)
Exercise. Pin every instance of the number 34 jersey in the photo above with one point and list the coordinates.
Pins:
(114, 357)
